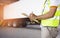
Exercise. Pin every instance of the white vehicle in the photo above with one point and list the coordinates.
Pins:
(14, 10)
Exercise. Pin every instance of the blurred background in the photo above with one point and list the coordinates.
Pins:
(19, 27)
(19, 22)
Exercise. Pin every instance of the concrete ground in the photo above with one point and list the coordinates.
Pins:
(30, 32)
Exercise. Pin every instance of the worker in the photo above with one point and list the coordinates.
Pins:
(49, 19)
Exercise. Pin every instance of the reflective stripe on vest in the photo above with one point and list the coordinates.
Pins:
(52, 22)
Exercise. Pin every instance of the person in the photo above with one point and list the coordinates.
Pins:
(49, 19)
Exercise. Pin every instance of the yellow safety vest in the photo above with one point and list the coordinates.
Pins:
(52, 22)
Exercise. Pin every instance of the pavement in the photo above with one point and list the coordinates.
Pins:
(29, 32)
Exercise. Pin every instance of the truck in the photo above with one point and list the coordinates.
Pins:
(12, 13)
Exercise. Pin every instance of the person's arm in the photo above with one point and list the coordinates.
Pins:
(50, 14)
